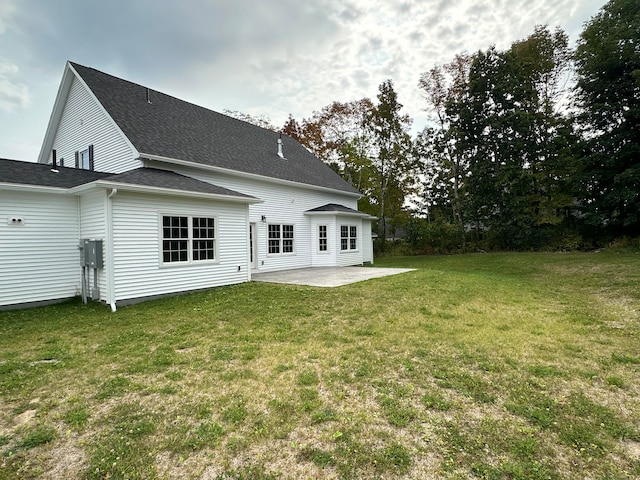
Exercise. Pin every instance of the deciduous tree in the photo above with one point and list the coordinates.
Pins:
(608, 91)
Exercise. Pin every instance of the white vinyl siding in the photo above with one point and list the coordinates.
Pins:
(324, 258)
(282, 204)
(93, 227)
(137, 231)
(350, 256)
(39, 259)
(85, 123)
(367, 242)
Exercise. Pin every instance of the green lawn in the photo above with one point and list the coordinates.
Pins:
(497, 366)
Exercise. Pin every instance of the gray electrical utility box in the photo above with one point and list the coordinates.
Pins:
(92, 252)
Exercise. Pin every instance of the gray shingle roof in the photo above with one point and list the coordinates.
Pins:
(152, 177)
(168, 127)
(28, 173)
(334, 208)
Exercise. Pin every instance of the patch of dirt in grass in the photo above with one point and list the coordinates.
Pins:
(624, 309)
(632, 449)
(25, 417)
(66, 461)
(280, 458)
(172, 467)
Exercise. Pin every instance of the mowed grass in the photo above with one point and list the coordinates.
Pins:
(495, 366)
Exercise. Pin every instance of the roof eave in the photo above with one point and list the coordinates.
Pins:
(27, 187)
(342, 214)
(162, 191)
(58, 108)
(56, 113)
(237, 173)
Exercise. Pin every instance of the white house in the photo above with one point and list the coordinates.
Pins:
(172, 196)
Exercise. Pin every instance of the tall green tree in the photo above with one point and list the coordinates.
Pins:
(392, 158)
(608, 91)
(509, 124)
(444, 164)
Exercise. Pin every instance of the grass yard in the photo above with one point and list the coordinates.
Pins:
(496, 366)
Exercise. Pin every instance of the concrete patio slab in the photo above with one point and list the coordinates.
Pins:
(327, 276)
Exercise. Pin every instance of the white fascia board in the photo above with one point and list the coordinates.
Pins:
(113, 122)
(58, 108)
(56, 113)
(22, 187)
(342, 214)
(128, 187)
(236, 173)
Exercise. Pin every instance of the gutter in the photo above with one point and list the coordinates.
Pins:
(111, 294)
(364, 216)
(162, 191)
(236, 173)
(24, 187)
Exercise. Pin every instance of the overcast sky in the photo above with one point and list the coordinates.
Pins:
(261, 57)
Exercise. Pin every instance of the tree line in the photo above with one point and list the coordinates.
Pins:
(532, 147)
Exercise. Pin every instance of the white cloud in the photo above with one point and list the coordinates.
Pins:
(12, 93)
(7, 9)
(272, 57)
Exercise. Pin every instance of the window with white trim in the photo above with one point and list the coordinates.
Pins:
(322, 238)
(84, 158)
(204, 238)
(281, 239)
(348, 237)
(186, 239)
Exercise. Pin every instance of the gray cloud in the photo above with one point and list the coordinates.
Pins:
(262, 57)
(13, 94)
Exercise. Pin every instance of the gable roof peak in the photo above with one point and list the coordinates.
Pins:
(161, 126)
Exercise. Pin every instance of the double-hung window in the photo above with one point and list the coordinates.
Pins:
(322, 238)
(188, 239)
(281, 238)
(348, 237)
(84, 159)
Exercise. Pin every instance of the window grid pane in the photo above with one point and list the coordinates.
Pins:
(322, 238)
(203, 238)
(175, 235)
(281, 238)
(348, 237)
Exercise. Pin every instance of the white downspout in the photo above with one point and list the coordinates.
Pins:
(109, 264)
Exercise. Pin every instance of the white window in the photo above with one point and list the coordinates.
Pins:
(85, 164)
(348, 237)
(322, 238)
(186, 239)
(204, 238)
(280, 239)
(84, 159)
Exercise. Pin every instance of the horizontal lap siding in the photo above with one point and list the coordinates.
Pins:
(85, 123)
(93, 227)
(349, 257)
(39, 260)
(367, 243)
(328, 258)
(281, 204)
(137, 246)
